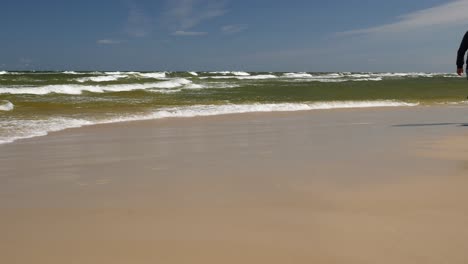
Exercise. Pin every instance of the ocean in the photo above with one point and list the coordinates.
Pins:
(36, 103)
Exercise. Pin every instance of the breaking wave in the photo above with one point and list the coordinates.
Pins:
(6, 106)
(249, 77)
(78, 89)
(154, 75)
(210, 110)
(108, 78)
(297, 75)
(235, 73)
(33, 128)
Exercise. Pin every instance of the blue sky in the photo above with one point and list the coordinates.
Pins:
(251, 35)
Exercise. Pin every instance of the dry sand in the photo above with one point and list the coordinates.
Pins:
(355, 186)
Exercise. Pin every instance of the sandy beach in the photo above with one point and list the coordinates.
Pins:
(383, 185)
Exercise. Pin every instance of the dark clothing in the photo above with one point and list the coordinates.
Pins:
(461, 51)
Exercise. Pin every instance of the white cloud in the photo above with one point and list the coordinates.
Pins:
(138, 23)
(188, 33)
(183, 15)
(232, 29)
(108, 41)
(452, 13)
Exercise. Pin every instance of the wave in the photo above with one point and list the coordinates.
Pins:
(258, 77)
(22, 129)
(113, 73)
(32, 128)
(78, 89)
(210, 110)
(213, 85)
(108, 78)
(297, 75)
(363, 76)
(174, 83)
(250, 77)
(6, 105)
(3, 72)
(153, 75)
(193, 73)
(235, 73)
(70, 72)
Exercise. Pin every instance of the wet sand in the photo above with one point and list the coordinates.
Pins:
(341, 186)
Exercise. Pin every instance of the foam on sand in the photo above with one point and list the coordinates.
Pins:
(31, 128)
(21, 129)
(210, 110)
(6, 105)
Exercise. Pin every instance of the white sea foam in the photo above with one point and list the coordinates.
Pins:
(239, 73)
(21, 129)
(154, 75)
(250, 77)
(257, 77)
(6, 105)
(211, 85)
(174, 83)
(113, 73)
(78, 89)
(325, 80)
(375, 79)
(363, 76)
(70, 72)
(118, 73)
(212, 110)
(193, 73)
(106, 78)
(235, 73)
(18, 129)
(297, 75)
(3, 72)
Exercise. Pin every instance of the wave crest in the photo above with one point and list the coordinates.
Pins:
(76, 89)
(6, 105)
(108, 78)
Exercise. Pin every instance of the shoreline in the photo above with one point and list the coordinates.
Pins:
(215, 116)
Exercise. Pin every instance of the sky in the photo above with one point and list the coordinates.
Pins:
(247, 35)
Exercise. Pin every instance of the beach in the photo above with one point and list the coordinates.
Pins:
(369, 185)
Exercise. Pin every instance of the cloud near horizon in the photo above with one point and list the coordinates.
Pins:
(452, 13)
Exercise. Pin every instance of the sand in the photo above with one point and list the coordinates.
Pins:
(340, 186)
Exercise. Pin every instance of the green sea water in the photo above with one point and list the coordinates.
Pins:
(34, 103)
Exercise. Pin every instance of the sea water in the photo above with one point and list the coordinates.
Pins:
(35, 103)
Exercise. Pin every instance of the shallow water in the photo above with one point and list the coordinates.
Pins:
(35, 103)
